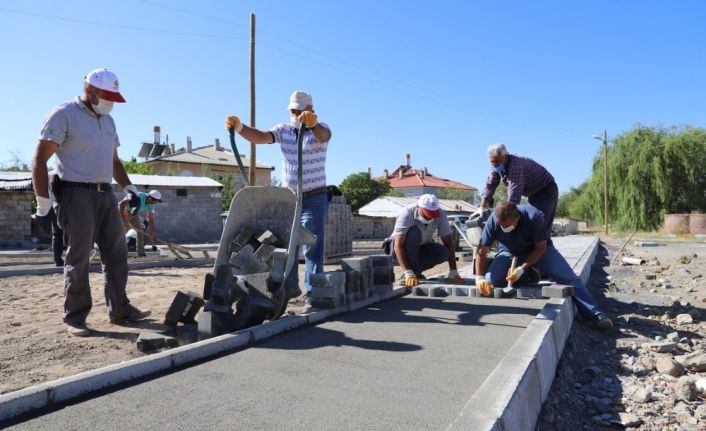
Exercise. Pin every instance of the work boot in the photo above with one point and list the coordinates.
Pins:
(601, 322)
(59, 262)
(130, 314)
(307, 301)
(77, 329)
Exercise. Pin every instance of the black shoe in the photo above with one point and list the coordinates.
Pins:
(130, 314)
(533, 275)
(59, 262)
(601, 322)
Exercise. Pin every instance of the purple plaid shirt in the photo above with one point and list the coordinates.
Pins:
(523, 176)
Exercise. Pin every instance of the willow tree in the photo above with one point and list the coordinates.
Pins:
(651, 171)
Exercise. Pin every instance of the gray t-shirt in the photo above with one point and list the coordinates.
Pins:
(86, 142)
(408, 218)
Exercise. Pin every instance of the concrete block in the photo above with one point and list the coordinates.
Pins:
(457, 290)
(148, 341)
(437, 292)
(381, 260)
(537, 341)
(245, 262)
(265, 252)
(268, 329)
(183, 308)
(241, 239)
(420, 291)
(279, 261)
(355, 263)
(557, 291)
(268, 238)
(259, 282)
(529, 292)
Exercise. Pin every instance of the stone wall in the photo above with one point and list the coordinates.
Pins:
(15, 216)
(193, 218)
(366, 227)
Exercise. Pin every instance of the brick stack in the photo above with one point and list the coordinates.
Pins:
(328, 289)
(363, 266)
(383, 273)
(338, 238)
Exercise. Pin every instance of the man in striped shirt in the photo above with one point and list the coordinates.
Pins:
(523, 177)
(315, 196)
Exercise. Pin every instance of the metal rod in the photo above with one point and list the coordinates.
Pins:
(253, 176)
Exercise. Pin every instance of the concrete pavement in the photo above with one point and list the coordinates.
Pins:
(421, 363)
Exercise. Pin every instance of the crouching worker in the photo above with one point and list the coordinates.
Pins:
(414, 247)
(520, 232)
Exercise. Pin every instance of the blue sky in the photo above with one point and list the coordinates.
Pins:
(439, 80)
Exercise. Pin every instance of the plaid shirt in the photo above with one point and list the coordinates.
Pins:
(523, 177)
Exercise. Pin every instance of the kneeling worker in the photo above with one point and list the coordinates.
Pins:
(134, 203)
(520, 232)
(414, 248)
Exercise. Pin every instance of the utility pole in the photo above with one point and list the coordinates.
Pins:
(605, 176)
(251, 167)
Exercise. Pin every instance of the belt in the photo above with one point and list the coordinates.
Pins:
(99, 187)
(314, 192)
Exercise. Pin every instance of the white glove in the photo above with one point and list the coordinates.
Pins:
(477, 214)
(131, 188)
(43, 206)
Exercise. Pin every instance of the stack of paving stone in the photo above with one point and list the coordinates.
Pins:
(364, 267)
(251, 254)
(383, 273)
(328, 289)
(339, 231)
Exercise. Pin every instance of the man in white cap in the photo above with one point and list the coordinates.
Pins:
(414, 246)
(82, 136)
(315, 196)
(132, 206)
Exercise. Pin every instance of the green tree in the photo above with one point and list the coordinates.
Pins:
(134, 167)
(394, 193)
(359, 189)
(651, 172)
(455, 194)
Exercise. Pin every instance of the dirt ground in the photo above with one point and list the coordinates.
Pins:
(35, 346)
(649, 372)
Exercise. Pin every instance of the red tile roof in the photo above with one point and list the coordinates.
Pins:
(418, 178)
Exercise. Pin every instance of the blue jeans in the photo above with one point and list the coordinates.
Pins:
(314, 215)
(555, 267)
(546, 200)
(421, 257)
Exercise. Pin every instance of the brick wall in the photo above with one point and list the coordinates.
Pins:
(15, 216)
(366, 227)
(192, 218)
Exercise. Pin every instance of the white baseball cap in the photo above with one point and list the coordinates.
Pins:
(155, 194)
(300, 100)
(428, 205)
(105, 80)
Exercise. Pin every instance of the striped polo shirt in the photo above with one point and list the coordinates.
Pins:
(313, 157)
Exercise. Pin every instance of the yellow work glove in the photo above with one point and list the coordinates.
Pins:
(484, 286)
(410, 279)
(233, 123)
(514, 275)
(309, 119)
(453, 277)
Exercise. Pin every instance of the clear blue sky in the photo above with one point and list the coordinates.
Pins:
(440, 80)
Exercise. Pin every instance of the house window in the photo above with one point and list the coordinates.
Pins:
(181, 193)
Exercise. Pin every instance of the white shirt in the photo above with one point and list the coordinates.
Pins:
(313, 157)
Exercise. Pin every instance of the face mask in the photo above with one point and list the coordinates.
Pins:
(103, 107)
(295, 120)
(499, 168)
(508, 229)
(423, 220)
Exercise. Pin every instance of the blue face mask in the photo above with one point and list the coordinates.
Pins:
(499, 168)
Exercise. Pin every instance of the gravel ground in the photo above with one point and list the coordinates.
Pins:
(649, 372)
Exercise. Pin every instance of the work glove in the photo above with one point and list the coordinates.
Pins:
(309, 119)
(133, 198)
(233, 123)
(453, 277)
(410, 279)
(514, 274)
(42, 219)
(484, 286)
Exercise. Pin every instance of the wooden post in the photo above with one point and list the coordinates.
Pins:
(251, 166)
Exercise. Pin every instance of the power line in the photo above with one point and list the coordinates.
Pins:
(388, 82)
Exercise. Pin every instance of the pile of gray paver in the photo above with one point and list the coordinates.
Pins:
(359, 278)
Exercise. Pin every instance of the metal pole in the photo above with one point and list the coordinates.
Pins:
(251, 166)
(605, 179)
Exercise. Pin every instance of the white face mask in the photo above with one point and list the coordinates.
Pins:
(295, 120)
(509, 228)
(103, 107)
(423, 220)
